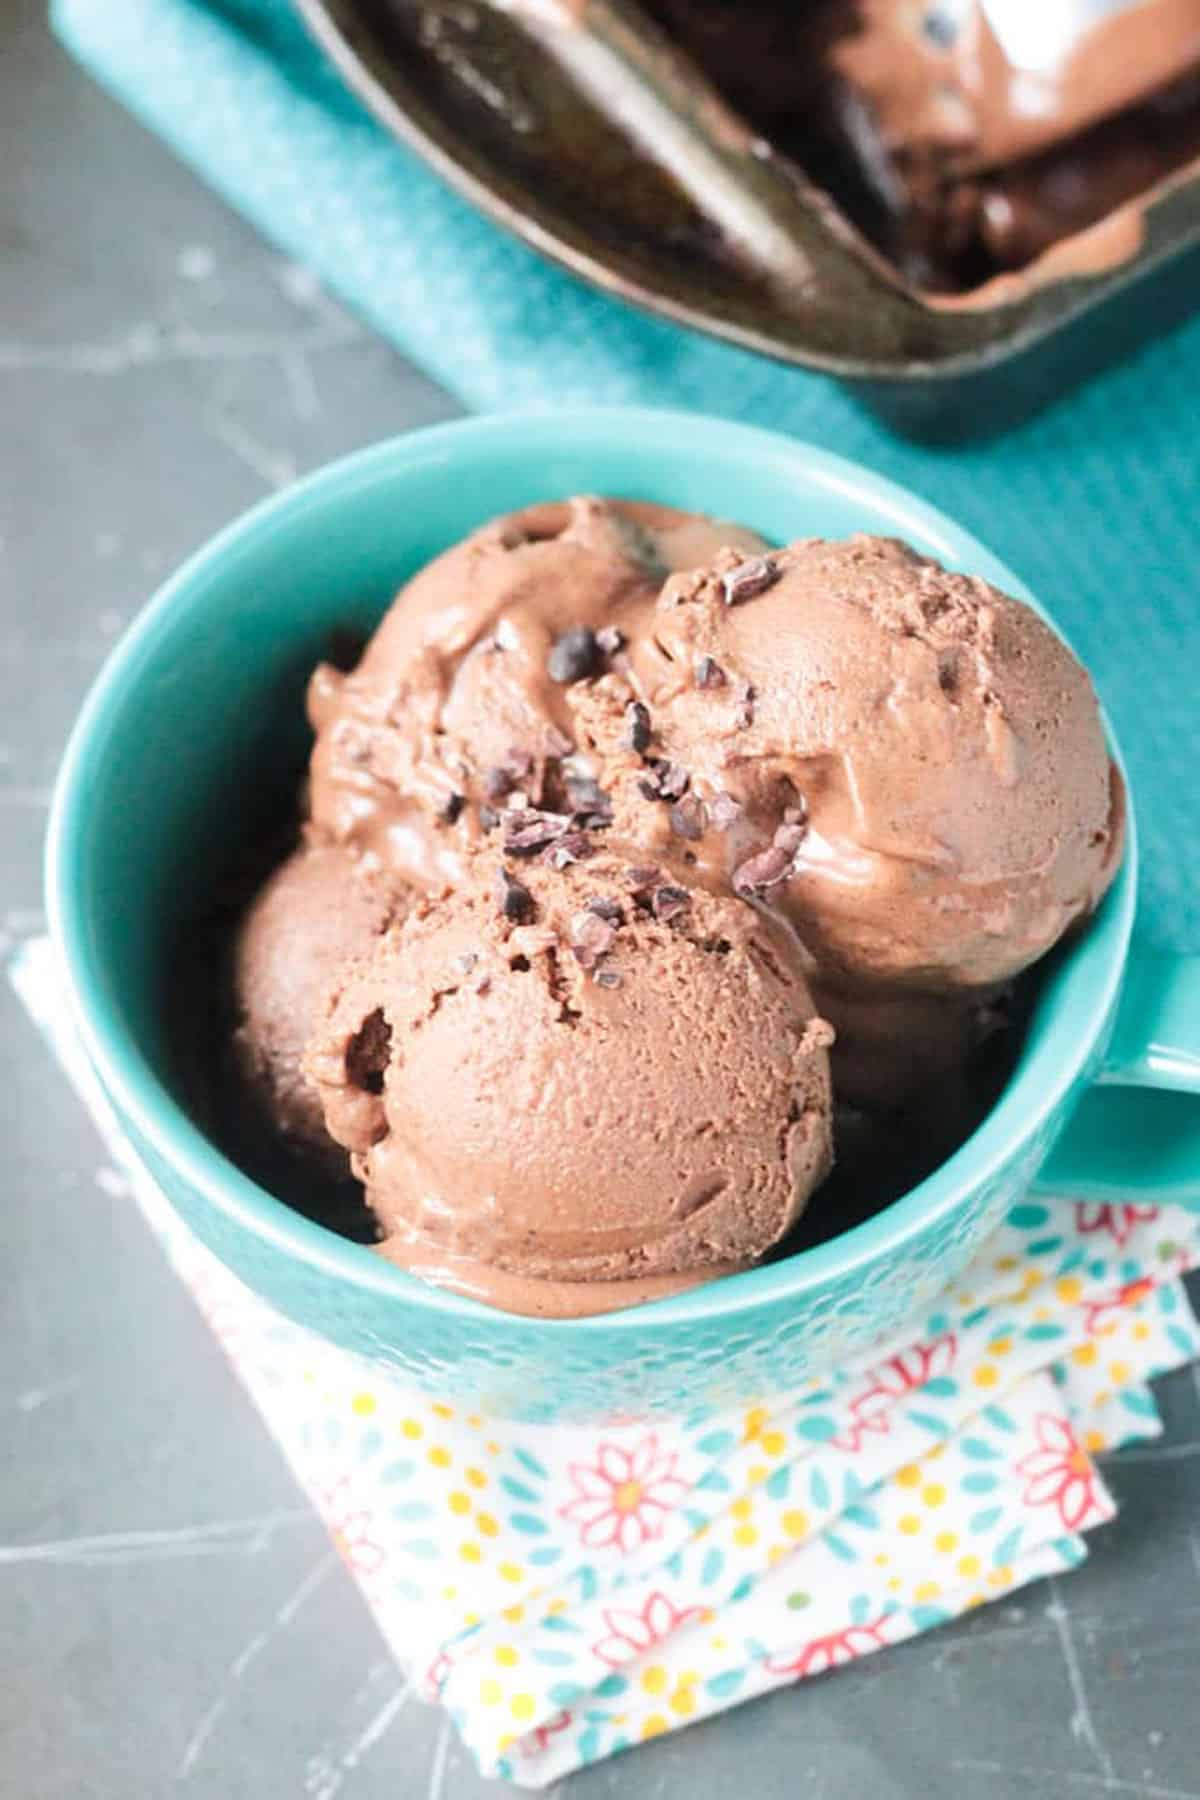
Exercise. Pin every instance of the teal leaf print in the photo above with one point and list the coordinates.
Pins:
(976, 1316)
(560, 1623)
(1140, 1404)
(932, 1422)
(711, 1567)
(938, 1323)
(612, 1687)
(528, 1523)
(778, 1483)
(529, 1461)
(411, 1510)
(1045, 1246)
(371, 1442)
(984, 1521)
(742, 1588)
(818, 1487)
(423, 1548)
(979, 1481)
(1044, 1333)
(721, 1686)
(716, 1443)
(942, 1387)
(588, 1584)
(713, 1482)
(840, 1547)
(860, 1609)
(1008, 1546)
(863, 1516)
(587, 1745)
(674, 1565)
(397, 1471)
(1028, 1216)
(818, 1430)
(545, 1554)
(925, 1618)
(554, 1659)
(1182, 1342)
(978, 1449)
(996, 1415)
(518, 1490)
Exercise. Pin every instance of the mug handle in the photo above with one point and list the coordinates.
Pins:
(1136, 1132)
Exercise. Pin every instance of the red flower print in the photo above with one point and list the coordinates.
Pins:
(539, 1738)
(1059, 1473)
(832, 1650)
(350, 1525)
(631, 1634)
(624, 1497)
(1100, 1316)
(889, 1383)
(1117, 1221)
(436, 1676)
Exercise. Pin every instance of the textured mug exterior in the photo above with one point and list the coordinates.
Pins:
(195, 723)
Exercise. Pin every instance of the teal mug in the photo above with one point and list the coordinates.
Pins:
(201, 705)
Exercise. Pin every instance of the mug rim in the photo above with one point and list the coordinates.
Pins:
(128, 1075)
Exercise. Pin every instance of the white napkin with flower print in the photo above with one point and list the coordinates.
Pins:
(568, 1593)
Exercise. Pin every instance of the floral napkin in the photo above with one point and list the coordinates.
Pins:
(566, 1593)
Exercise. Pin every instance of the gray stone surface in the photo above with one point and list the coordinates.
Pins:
(171, 1619)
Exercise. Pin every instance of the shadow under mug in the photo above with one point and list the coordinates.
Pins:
(196, 723)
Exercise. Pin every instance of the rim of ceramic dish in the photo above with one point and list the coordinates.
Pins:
(1029, 1099)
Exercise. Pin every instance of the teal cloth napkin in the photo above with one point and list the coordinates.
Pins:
(1096, 501)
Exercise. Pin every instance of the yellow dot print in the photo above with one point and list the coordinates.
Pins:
(486, 1524)
(795, 1522)
(412, 1428)
(442, 1411)
(968, 1567)
(1120, 1372)
(926, 1590)
(654, 1726)
(470, 1552)
(363, 1405)
(909, 1524)
(1000, 1346)
(1141, 1331)
(908, 1476)
(881, 1559)
(934, 1494)
(511, 1571)
(757, 1475)
(514, 1614)
(1068, 1288)
(523, 1706)
(986, 1375)
(490, 1691)
(506, 1656)
(773, 1443)
(683, 1701)
(946, 1540)
(1000, 1578)
(741, 1509)
(654, 1679)
(1084, 1355)
(459, 1503)
(1095, 1440)
(776, 1554)
(477, 1478)
(440, 1457)
(745, 1535)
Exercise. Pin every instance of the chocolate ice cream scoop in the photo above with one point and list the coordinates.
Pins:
(569, 1090)
(906, 763)
(460, 705)
(316, 913)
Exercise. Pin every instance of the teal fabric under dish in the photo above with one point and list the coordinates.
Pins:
(1096, 502)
